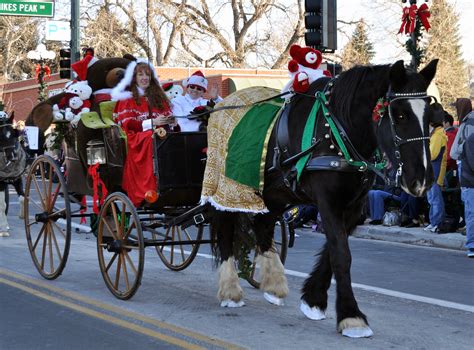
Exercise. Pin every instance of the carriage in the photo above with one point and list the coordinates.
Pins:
(175, 224)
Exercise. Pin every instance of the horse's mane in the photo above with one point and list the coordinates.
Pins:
(360, 84)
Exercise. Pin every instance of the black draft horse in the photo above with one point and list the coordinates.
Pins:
(402, 133)
(12, 163)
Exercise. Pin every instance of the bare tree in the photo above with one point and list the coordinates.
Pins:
(18, 35)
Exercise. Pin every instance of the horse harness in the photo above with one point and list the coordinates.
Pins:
(348, 159)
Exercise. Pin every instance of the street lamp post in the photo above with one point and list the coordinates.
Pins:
(39, 57)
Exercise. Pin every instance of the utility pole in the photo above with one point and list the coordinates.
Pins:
(75, 31)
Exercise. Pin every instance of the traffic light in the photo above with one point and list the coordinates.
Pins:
(321, 24)
(65, 63)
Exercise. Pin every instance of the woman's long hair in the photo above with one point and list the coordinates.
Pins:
(156, 96)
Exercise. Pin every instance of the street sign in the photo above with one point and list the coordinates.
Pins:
(35, 8)
(58, 30)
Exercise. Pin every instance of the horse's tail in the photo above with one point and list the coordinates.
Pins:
(231, 235)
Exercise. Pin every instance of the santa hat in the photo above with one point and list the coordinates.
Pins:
(121, 91)
(197, 78)
(80, 67)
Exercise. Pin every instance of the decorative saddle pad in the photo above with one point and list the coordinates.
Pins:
(237, 144)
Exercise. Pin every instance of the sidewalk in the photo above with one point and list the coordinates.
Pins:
(415, 236)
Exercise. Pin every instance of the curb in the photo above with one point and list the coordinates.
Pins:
(414, 236)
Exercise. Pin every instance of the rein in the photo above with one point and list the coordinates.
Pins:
(197, 115)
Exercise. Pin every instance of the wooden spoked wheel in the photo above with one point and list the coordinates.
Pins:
(47, 217)
(120, 246)
(179, 256)
(280, 243)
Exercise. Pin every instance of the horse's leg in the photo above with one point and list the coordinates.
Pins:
(338, 224)
(314, 300)
(3, 208)
(273, 279)
(222, 228)
(18, 185)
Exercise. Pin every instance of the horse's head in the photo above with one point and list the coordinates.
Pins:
(403, 131)
(8, 135)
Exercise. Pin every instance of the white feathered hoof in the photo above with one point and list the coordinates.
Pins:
(230, 293)
(231, 303)
(313, 313)
(273, 299)
(21, 213)
(273, 275)
(355, 328)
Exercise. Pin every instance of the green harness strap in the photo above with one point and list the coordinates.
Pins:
(307, 139)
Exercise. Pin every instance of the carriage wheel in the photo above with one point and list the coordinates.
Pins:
(47, 217)
(280, 243)
(120, 246)
(178, 257)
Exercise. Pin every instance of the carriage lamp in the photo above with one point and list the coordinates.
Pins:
(95, 152)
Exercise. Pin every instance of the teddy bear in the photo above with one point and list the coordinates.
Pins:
(304, 68)
(172, 90)
(74, 102)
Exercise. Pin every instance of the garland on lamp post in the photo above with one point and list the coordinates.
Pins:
(39, 57)
(414, 19)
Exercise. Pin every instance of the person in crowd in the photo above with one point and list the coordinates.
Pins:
(463, 151)
(142, 105)
(193, 101)
(438, 145)
(451, 132)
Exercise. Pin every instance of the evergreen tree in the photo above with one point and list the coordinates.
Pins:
(452, 77)
(359, 50)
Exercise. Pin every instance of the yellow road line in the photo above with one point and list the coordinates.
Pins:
(120, 311)
(139, 329)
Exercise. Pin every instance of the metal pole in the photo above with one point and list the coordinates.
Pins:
(75, 31)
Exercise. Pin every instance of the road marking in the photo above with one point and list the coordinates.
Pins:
(120, 311)
(388, 292)
(137, 328)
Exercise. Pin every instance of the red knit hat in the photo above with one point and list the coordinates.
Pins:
(197, 78)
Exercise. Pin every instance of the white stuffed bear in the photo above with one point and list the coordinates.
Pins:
(74, 103)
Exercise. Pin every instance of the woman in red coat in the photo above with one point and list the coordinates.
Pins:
(141, 106)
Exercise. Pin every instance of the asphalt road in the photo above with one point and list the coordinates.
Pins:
(415, 298)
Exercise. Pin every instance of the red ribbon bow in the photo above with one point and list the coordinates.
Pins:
(46, 71)
(96, 182)
(409, 18)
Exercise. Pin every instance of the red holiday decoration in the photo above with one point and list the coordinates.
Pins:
(409, 18)
(46, 71)
(379, 109)
(96, 182)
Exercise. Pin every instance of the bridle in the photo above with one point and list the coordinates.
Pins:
(9, 155)
(397, 140)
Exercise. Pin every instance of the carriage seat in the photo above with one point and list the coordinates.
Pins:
(105, 120)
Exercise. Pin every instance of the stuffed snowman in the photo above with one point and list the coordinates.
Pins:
(172, 90)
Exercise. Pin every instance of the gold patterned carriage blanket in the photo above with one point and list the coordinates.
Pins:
(237, 148)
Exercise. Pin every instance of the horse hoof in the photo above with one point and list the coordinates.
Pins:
(273, 299)
(358, 332)
(231, 303)
(313, 313)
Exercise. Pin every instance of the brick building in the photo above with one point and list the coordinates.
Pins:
(21, 96)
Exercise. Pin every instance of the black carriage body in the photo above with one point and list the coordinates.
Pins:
(179, 163)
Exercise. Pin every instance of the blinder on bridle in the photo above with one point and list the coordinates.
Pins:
(397, 140)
